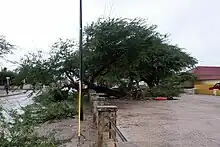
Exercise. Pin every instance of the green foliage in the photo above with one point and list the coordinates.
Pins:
(59, 95)
(133, 49)
(33, 69)
(52, 111)
(171, 86)
(55, 95)
(48, 107)
(165, 91)
(5, 46)
(48, 97)
(20, 132)
(117, 51)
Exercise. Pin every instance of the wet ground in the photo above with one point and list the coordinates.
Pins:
(11, 92)
(192, 121)
(14, 101)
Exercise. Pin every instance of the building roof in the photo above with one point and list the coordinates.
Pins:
(207, 72)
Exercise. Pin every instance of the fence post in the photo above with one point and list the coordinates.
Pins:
(106, 114)
(97, 101)
(92, 93)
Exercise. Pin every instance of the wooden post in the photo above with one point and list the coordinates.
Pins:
(105, 114)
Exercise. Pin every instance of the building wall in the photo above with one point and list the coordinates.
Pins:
(202, 87)
(209, 82)
(188, 84)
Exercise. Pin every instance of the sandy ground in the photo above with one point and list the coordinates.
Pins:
(65, 131)
(192, 121)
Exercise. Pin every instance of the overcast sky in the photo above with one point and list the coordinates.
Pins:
(37, 24)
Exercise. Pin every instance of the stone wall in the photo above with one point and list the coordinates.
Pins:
(104, 117)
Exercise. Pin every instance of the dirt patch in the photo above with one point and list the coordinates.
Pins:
(192, 121)
(65, 131)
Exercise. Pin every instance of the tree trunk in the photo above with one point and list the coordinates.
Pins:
(99, 89)
(144, 92)
(108, 91)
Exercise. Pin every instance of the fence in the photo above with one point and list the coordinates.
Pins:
(105, 119)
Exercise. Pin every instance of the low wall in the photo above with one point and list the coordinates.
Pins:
(105, 120)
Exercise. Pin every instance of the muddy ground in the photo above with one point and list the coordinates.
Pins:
(192, 121)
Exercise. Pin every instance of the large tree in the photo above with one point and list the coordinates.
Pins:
(119, 52)
(132, 50)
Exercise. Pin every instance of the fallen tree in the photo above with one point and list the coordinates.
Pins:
(116, 53)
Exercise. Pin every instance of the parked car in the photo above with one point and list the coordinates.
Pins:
(216, 86)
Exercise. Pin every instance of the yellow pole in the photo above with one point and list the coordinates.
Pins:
(79, 109)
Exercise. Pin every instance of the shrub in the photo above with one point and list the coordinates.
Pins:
(54, 110)
(55, 95)
(165, 91)
(20, 133)
(48, 106)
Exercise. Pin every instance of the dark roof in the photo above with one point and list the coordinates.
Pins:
(207, 72)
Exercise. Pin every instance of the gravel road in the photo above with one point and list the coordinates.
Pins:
(192, 121)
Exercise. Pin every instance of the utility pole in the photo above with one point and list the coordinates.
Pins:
(81, 62)
(80, 100)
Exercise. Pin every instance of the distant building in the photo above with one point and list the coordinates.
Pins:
(207, 76)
